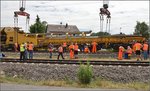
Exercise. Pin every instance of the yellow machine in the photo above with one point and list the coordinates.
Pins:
(12, 35)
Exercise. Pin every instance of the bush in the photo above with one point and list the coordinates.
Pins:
(85, 74)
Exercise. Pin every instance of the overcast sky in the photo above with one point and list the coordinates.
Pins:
(83, 14)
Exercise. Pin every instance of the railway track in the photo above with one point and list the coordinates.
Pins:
(96, 62)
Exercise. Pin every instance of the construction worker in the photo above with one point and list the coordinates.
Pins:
(50, 49)
(76, 47)
(65, 47)
(86, 49)
(145, 50)
(60, 52)
(129, 52)
(120, 54)
(71, 49)
(22, 51)
(94, 48)
(30, 48)
(137, 48)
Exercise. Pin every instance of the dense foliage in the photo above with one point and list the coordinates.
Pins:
(100, 34)
(38, 26)
(142, 28)
(85, 74)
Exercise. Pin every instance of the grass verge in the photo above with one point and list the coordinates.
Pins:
(99, 83)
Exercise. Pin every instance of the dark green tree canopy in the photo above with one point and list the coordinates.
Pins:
(142, 28)
(38, 26)
(100, 34)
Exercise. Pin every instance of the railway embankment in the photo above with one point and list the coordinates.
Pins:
(62, 72)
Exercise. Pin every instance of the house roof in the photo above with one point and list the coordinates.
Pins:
(51, 28)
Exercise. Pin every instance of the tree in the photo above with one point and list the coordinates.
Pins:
(100, 34)
(142, 28)
(38, 26)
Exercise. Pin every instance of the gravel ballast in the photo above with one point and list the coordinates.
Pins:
(62, 72)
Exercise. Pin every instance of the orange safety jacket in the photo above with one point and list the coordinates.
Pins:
(129, 51)
(64, 44)
(71, 47)
(145, 47)
(94, 43)
(86, 50)
(30, 47)
(76, 47)
(138, 46)
(60, 49)
(121, 49)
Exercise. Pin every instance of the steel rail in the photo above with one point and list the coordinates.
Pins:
(94, 62)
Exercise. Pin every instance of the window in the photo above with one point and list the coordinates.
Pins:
(11, 39)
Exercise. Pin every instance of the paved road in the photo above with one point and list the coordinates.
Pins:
(16, 87)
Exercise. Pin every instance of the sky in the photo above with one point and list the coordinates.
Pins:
(83, 14)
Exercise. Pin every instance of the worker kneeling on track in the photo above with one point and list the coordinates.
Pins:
(86, 50)
(129, 52)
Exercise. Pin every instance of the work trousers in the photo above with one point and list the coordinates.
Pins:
(60, 54)
(26, 54)
(30, 54)
(50, 54)
(94, 49)
(145, 54)
(22, 56)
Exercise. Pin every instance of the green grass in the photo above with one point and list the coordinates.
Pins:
(99, 83)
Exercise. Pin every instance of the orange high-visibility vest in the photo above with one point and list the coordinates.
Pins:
(76, 47)
(94, 48)
(86, 50)
(30, 47)
(120, 54)
(138, 46)
(64, 44)
(94, 43)
(129, 51)
(134, 48)
(71, 47)
(60, 49)
(145, 47)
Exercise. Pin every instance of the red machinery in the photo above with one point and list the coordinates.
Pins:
(105, 12)
(21, 13)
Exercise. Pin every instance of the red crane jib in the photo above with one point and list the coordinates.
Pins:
(22, 13)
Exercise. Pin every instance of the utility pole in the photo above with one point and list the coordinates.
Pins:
(120, 30)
